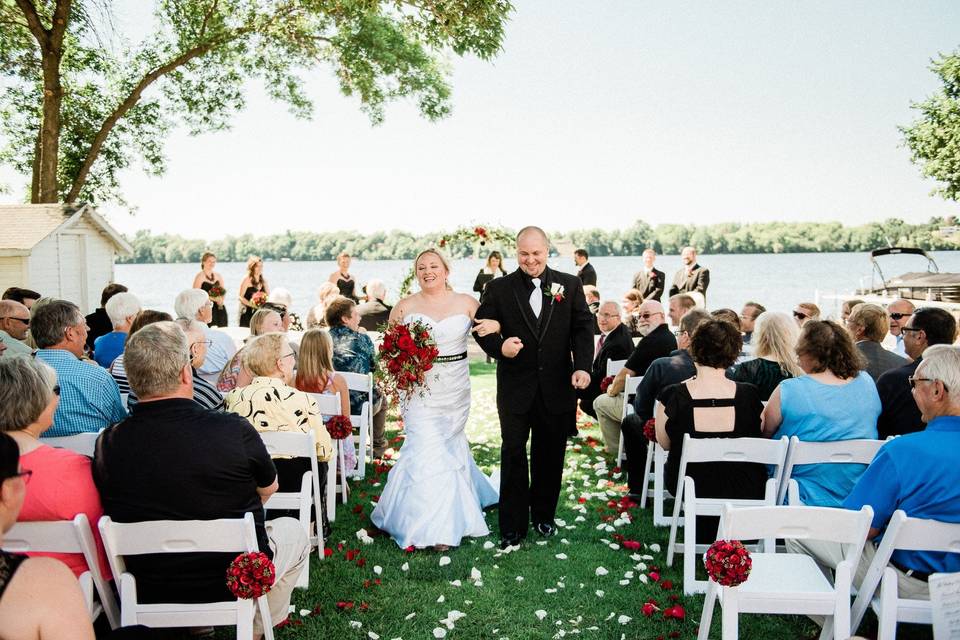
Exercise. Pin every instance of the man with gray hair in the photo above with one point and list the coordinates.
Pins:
(121, 309)
(195, 304)
(14, 324)
(374, 311)
(89, 396)
(204, 393)
(174, 460)
(614, 343)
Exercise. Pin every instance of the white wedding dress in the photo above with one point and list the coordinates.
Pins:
(435, 492)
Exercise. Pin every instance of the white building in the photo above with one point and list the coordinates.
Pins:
(60, 250)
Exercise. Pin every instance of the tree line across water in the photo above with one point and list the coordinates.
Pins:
(732, 237)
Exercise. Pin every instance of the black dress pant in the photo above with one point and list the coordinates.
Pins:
(635, 446)
(531, 491)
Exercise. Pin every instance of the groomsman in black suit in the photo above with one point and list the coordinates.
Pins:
(586, 272)
(614, 343)
(543, 352)
(692, 277)
(650, 281)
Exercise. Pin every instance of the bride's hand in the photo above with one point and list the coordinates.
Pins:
(486, 327)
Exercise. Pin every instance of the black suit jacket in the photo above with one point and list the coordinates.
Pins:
(651, 286)
(616, 346)
(698, 280)
(879, 360)
(554, 346)
(899, 413)
(587, 274)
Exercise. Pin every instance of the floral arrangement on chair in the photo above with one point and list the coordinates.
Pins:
(728, 562)
(406, 354)
(650, 430)
(605, 384)
(250, 575)
(339, 427)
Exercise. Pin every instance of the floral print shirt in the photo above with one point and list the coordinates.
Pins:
(353, 352)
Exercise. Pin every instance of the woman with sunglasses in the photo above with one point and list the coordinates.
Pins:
(835, 400)
(63, 483)
(805, 312)
(39, 597)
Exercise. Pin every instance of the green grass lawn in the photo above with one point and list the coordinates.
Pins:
(582, 582)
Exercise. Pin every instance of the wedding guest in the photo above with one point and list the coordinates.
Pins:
(14, 325)
(649, 281)
(492, 269)
(692, 277)
(98, 322)
(899, 312)
(282, 302)
(925, 327)
(26, 297)
(662, 372)
(728, 315)
(846, 308)
(868, 324)
(89, 397)
(614, 343)
(805, 312)
(235, 374)
(775, 339)
(117, 370)
(174, 460)
(316, 317)
(253, 290)
(345, 283)
(748, 316)
(213, 284)
(62, 484)
(197, 305)
(631, 302)
(657, 342)
(374, 312)
(204, 393)
(733, 410)
(122, 308)
(593, 303)
(353, 352)
(680, 304)
(39, 597)
(585, 270)
(835, 400)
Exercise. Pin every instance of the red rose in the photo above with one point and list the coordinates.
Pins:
(405, 342)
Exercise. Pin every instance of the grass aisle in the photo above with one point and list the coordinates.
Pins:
(583, 582)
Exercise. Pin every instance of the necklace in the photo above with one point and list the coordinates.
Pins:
(211, 278)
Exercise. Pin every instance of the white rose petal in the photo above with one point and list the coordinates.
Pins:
(488, 545)
(410, 616)
(444, 561)
(636, 557)
(624, 619)
(456, 583)
(475, 574)
(655, 547)
(519, 578)
(377, 569)
(439, 632)
(608, 528)
(551, 590)
(628, 574)
(561, 556)
(599, 593)
(540, 613)
(601, 571)
(355, 624)
(292, 609)
(624, 583)
(455, 615)
(372, 635)
(541, 542)
(610, 617)
(643, 578)
(560, 523)
(614, 546)
(305, 612)
(579, 519)
(646, 557)
(441, 598)
(564, 541)
(405, 566)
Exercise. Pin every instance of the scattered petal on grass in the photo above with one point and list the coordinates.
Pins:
(305, 612)
(488, 545)
(355, 624)
(551, 590)
(405, 566)
(601, 571)
(655, 547)
(540, 613)
(441, 598)
(624, 583)
(561, 556)
(519, 578)
(377, 569)
(456, 583)
(444, 561)
(541, 542)
(560, 523)
(475, 574)
(624, 619)
(439, 632)
(372, 635)
(410, 616)
(599, 593)
(614, 546)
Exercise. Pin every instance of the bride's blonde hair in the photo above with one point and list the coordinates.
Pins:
(440, 256)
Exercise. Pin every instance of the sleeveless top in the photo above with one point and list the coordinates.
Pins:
(346, 287)
(9, 563)
(765, 374)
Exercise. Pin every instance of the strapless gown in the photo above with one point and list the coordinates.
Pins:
(435, 493)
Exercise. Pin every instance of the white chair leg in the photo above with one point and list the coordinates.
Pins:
(647, 465)
(673, 526)
(730, 615)
(706, 617)
(245, 614)
(362, 453)
(841, 614)
(887, 616)
(620, 451)
(331, 490)
(659, 492)
(690, 585)
(343, 470)
(265, 617)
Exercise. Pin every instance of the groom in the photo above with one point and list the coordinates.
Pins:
(543, 354)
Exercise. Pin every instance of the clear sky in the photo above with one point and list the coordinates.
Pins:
(594, 115)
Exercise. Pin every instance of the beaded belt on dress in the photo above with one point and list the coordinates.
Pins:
(453, 358)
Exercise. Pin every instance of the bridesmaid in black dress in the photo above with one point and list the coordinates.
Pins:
(208, 280)
(252, 284)
(342, 278)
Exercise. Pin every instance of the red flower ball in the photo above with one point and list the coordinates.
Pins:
(650, 430)
(339, 427)
(250, 575)
(728, 563)
(605, 383)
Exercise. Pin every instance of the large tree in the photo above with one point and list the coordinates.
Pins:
(934, 138)
(80, 100)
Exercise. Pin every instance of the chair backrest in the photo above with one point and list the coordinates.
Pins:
(761, 450)
(798, 523)
(834, 452)
(329, 404)
(83, 443)
(614, 366)
(289, 443)
(358, 381)
(630, 386)
(918, 534)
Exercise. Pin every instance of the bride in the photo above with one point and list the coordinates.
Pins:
(435, 494)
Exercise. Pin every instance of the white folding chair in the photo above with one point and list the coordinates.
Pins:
(835, 452)
(330, 405)
(908, 534)
(68, 536)
(698, 450)
(614, 366)
(789, 583)
(653, 468)
(83, 443)
(182, 536)
(629, 391)
(364, 420)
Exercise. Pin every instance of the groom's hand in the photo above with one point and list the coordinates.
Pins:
(580, 380)
(511, 347)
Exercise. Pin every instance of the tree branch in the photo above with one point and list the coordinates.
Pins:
(61, 16)
(33, 23)
(206, 18)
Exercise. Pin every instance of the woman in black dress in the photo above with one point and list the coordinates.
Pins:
(209, 280)
(342, 278)
(253, 284)
(493, 269)
(709, 405)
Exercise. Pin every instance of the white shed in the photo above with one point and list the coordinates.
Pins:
(60, 250)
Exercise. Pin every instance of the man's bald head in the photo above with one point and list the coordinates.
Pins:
(14, 319)
(526, 231)
(899, 311)
(533, 249)
(608, 316)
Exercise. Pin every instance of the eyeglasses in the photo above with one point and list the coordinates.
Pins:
(206, 342)
(287, 355)
(23, 474)
(56, 390)
(900, 316)
(645, 316)
(913, 382)
(608, 315)
(800, 315)
(679, 332)
(910, 329)
(25, 323)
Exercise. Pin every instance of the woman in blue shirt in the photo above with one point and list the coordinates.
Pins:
(835, 400)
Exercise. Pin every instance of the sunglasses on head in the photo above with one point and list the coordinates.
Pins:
(900, 316)
(800, 315)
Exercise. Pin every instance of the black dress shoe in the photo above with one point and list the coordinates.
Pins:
(510, 540)
(546, 529)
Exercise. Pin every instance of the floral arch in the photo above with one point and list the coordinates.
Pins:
(477, 236)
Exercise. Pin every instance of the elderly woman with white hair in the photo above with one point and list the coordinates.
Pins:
(122, 309)
(317, 316)
(374, 312)
(195, 304)
(204, 393)
(281, 300)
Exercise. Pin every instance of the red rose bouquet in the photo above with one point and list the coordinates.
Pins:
(339, 427)
(216, 291)
(650, 430)
(728, 562)
(250, 575)
(406, 354)
(258, 299)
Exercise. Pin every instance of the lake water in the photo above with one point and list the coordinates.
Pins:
(778, 281)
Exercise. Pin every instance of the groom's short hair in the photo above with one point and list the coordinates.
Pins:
(533, 229)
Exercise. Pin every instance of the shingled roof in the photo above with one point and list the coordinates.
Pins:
(24, 226)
